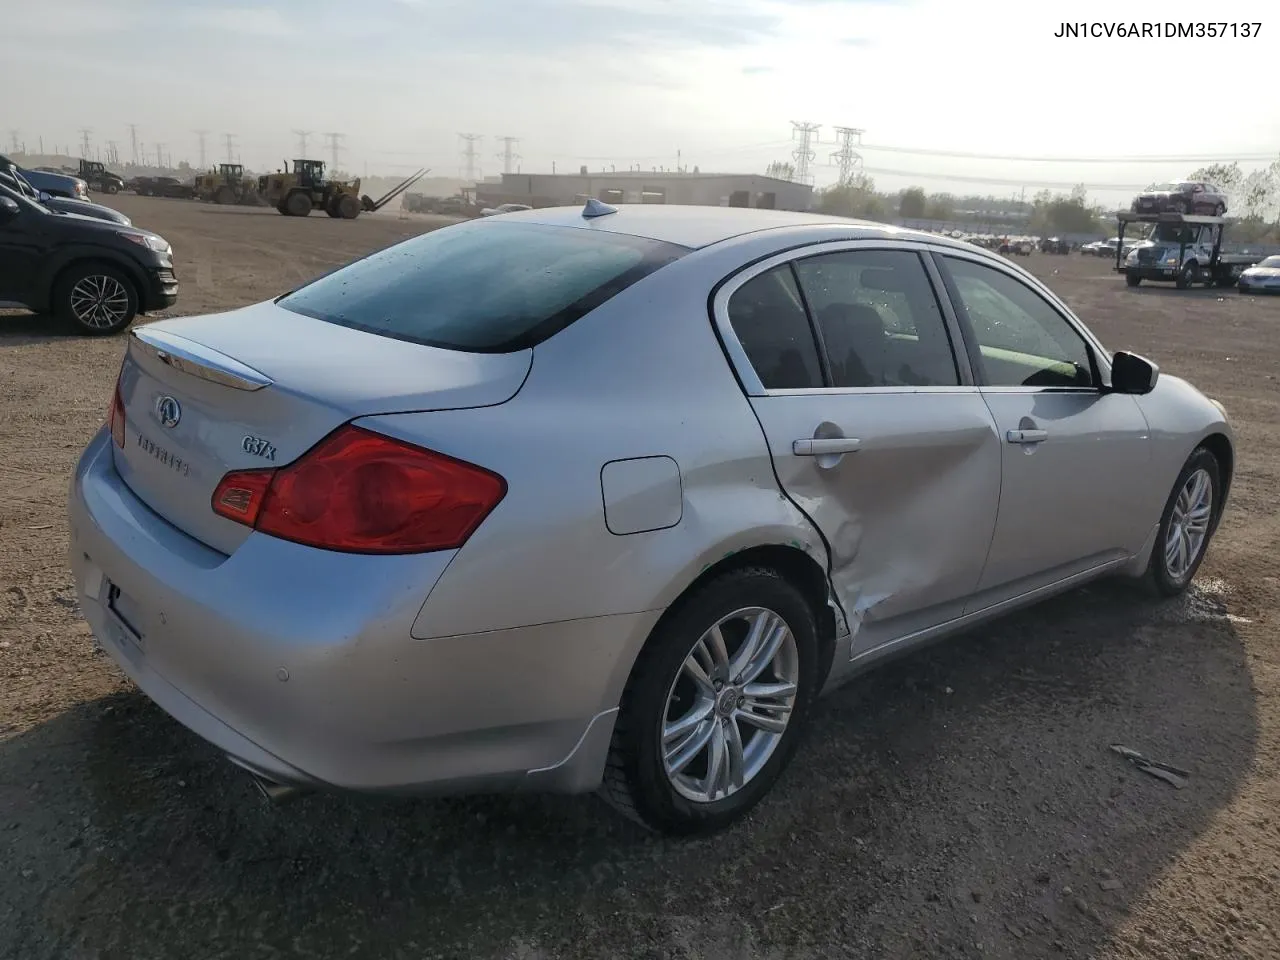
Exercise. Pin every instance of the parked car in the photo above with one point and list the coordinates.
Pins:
(94, 274)
(163, 187)
(327, 551)
(1182, 196)
(12, 178)
(1054, 245)
(54, 184)
(504, 208)
(1262, 277)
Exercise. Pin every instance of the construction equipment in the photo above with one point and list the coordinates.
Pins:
(227, 184)
(297, 193)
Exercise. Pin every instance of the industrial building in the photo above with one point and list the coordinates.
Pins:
(698, 189)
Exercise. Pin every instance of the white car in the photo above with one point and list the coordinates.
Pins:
(1262, 277)
(504, 208)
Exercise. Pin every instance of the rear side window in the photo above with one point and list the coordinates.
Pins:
(879, 318)
(770, 321)
(484, 286)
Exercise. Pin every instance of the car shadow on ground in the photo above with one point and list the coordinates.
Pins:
(962, 796)
(21, 328)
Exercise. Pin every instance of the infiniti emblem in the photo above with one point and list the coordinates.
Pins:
(168, 411)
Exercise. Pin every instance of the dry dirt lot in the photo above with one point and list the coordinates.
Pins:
(960, 803)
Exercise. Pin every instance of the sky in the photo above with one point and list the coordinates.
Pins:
(712, 83)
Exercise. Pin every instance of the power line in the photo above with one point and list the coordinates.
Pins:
(1024, 158)
(847, 158)
(1002, 181)
(335, 145)
(469, 141)
(803, 155)
(507, 156)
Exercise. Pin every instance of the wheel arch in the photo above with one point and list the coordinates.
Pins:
(1224, 452)
(80, 256)
(794, 565)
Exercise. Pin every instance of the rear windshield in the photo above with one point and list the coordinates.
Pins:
(483, 286)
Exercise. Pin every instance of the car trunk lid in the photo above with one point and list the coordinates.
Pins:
(258, 387)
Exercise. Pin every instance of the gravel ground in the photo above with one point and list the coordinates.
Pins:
(959, 803)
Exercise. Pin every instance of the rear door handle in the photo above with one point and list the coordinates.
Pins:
(1026, 436)
(825, 447)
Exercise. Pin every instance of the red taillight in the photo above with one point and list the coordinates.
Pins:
(360, 492)
(115, 417)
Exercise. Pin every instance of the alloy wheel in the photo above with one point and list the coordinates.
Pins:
(100, 302)
(1189, 524)
(729, 705)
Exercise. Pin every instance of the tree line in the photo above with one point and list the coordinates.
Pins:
(1253, 200)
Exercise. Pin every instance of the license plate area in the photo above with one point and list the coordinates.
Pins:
(125, 612)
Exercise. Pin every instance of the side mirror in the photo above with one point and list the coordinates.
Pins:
(8, 209)
(45, 195)
(1131, 373)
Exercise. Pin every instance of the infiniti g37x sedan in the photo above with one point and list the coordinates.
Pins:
(573, 500)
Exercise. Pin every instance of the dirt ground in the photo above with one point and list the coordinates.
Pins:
(960, 803)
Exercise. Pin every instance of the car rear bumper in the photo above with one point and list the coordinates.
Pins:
(299, 664)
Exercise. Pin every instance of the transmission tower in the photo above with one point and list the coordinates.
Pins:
(335, 146)
(469, 141)
(13, 138)
(508, 156)
(202, 134)
(229, 139)
(113, 154)
(302, 142)
(803, 153)
(847, 159)
(84, 142)
(160, 155)
(133, 143)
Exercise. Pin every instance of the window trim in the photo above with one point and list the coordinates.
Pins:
(746, 372)
(1098, 355)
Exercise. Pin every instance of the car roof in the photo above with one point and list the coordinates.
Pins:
(695, 226)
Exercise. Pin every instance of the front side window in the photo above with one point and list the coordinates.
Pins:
(484, 286)
(879, 319)
(1023, 340)
(769, 320)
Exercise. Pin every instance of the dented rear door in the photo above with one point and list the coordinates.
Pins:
(903, 479)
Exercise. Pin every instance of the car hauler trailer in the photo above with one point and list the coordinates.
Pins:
(1181, 248)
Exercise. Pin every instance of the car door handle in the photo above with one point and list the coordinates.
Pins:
(825, 447)
(1026, 436)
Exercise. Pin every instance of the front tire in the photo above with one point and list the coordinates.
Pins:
(1132, 279)
(95, 299)
(1187, 524)
(298, 204)
(715, 705)
(1188, 277)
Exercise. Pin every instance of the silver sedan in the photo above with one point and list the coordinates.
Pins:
(602, 500)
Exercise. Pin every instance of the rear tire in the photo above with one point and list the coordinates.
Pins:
(298, 204)
(348, 207)
(1186, 525)
(95, 298)
(1132, 280)
(657, 773)
(112, 188)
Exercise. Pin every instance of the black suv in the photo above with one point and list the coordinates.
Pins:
(94, 274)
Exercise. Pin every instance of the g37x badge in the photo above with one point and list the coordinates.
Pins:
(258, 447)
